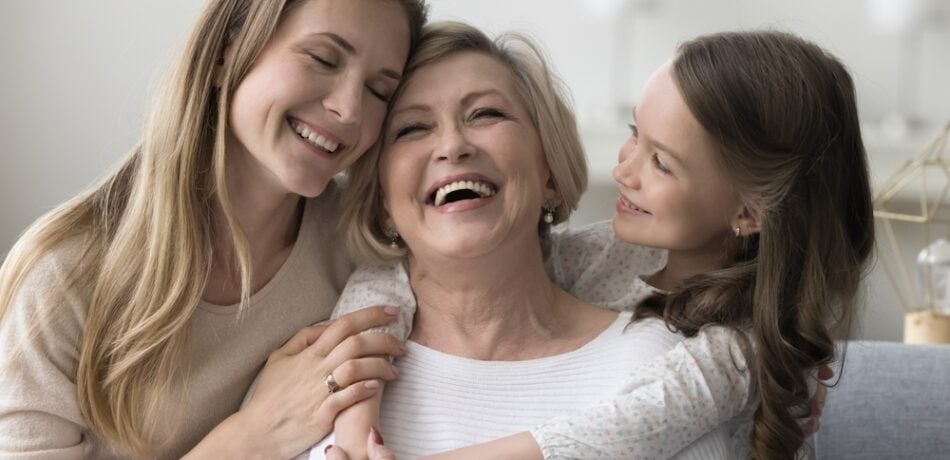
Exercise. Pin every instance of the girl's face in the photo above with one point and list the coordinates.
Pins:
(463, 171)
(315, 98)
(673, 193)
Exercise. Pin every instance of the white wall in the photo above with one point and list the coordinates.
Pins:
(76, 78)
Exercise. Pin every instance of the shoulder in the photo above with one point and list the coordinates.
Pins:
(598, 240)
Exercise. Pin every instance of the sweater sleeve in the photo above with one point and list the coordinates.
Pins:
(595, 266)
(673, 401)
(380, 285)
(39, 348)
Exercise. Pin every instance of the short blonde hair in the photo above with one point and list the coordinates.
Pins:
(547, 104)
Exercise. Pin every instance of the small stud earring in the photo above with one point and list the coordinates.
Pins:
(738, 232)
(393, 236)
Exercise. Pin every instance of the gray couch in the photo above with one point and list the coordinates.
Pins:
(892, 402)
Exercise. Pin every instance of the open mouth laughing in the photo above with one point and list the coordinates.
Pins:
(460, 189)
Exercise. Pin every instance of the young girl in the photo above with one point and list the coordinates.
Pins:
(131, 320)
(746, 165)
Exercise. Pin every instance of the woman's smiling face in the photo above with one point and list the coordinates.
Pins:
(462, 168)
(315, 98)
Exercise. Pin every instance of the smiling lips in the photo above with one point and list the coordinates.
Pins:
(632, 207)
(313, 138)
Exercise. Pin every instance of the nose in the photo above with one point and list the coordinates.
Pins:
(453, 145)
(345, 100)
(627, 171)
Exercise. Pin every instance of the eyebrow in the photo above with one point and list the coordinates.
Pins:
(485, 92)
(673, 153)
(465, 101)
(349, 48)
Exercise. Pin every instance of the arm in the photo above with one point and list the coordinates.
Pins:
(673, 401)
(378, 285)
(595, 266)
(39, 351)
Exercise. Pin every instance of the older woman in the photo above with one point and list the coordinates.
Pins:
(479, 157)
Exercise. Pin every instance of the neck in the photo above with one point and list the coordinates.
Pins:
(270, 220)
(489, 307)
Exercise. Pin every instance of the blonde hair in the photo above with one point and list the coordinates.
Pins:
(546, 102)
(154, 213)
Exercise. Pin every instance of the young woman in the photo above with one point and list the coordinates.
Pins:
(745, 165)
(134, 317)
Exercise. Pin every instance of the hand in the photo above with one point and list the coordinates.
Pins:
(817, 402)
(292, 407)
(374, 448)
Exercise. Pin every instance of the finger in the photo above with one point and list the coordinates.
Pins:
(335, 453)
(351, 324)
(357, 370)
(808, 428)
(364, 345)
(342, 400)
(375, 448)
(825, 372)
(303, 338)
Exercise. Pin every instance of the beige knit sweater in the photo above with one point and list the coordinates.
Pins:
(39, 415)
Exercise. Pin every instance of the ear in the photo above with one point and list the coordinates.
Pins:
(747, 220)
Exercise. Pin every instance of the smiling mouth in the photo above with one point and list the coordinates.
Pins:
(632, 206)
(460, 191)
(313, 138)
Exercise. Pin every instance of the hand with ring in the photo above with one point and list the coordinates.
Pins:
(321, 371)
(332, 386)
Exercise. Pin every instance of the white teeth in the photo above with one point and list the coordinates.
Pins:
(483, 190)
(315, 138)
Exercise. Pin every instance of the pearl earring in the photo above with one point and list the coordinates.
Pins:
(548, 213)
(393, 236)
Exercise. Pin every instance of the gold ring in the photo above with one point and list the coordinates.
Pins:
(332, 386)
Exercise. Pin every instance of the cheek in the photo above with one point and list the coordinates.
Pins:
(375, 112)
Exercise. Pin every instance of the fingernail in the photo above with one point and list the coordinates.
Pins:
(377, 438)
(391, 310)
(371, 384)
(327, 449)
(395, 371)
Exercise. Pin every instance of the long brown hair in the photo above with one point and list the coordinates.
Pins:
(147, 229)
(784, 115)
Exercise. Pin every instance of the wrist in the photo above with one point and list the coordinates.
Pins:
(234, 437)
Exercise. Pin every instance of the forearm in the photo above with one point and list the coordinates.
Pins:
(521, 446)
(352, 426)
(232, 438)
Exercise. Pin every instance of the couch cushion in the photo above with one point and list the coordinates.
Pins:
(892, 402)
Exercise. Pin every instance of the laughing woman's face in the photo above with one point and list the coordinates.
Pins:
(462, 169)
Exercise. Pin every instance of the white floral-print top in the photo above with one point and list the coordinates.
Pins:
(699, 385)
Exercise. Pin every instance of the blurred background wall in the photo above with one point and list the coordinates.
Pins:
(76, 79)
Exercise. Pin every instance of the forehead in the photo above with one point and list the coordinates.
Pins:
(455, 76)
(377, 29)
(663, 116)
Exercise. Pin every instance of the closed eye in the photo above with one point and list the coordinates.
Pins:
(659, 165)
(633, 130)
(322, 60)
(488, 112)
(378, 94)
(409, 129)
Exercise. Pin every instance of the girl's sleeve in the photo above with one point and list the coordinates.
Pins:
(380, 285)
(594, 265)
(697, 386)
